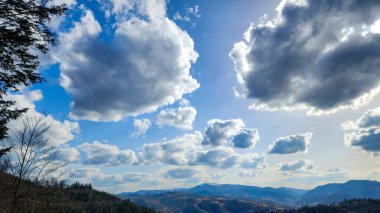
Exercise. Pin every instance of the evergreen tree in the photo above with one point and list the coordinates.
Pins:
(23, 32)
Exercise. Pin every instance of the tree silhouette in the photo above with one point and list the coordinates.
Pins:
(32, 158)
(23, 33)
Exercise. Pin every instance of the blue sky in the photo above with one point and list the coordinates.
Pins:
(154, 94)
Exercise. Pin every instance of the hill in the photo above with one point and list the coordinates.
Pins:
(58, 197)
(183, 202)
(349, 206)
(331, 193)
(263, 198)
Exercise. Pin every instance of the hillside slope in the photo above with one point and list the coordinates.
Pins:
(337, 192)
(62, 198)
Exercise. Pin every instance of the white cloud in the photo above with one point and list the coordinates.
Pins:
(291, 144)
(319, 56)
(144, 66)
(220, 132)
(364, 132)
(229, 132)
(181, 118)
(299, 166)
(59, 133)
(179, 151)
(107, 154)
(70, 154)
(191, 12)
(189, 150)
(141, 127)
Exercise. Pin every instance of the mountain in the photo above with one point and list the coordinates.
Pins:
(221, 196)
(168, 202)
(268, 194)
(336, 192)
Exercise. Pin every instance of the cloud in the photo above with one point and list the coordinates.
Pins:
(317, 55)
(364, 132)
(97, 177)
(220, 132)
(299, 166)
(59, 133)
(190, 12)
(188, 150)
(181, 173)
(144, 65)
(107, 154)
(291, 144)
(141, 127)
(181, 118)
(225, 132)
(334, 169)
(178, 151)
(246, 138)
(84, 173)
(70, 154)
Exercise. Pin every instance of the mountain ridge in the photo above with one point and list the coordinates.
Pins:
(254, 196)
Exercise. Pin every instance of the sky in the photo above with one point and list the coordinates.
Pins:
(155, 94)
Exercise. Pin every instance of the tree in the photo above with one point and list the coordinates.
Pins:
(23, 33)
(32, 157)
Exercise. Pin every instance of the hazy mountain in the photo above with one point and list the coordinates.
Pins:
(221, 196)
(277, 195)
(336, 192)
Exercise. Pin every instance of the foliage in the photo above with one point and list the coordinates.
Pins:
(352, 205)
(56, 196)
(23, 33)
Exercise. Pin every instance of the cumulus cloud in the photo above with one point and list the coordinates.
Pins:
(141, 127)
(364, 132)
(181, 173)
(317, 55)
(189, 150)
(291, 144)
(59, 133)
(145, 65)
(299, 166)
(107, 154)
(246, 138)
(70, 154)
(181, 118)
(178, 151)
(224, 132)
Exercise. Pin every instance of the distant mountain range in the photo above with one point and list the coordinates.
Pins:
(224, 197)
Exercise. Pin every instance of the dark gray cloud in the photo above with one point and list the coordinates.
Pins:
(319, 55)
(180, 173)
(364, 132)
(299, 166)
(291, 144)
(144, 66)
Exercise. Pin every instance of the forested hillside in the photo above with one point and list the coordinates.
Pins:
(54, 196)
